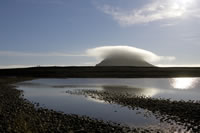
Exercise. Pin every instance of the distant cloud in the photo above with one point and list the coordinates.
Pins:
(15, 66)
(178, 65)
(168, 24)
(126, 52)
(47, 65)
(153, 11)
(14, 53)
(195, 36)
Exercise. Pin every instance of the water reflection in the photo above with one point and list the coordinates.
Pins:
(154, 87)
(92, 106)
(131, 90)
(95, 98)
(183, 83)
(52, 94)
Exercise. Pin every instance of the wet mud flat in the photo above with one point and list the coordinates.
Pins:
(19, 115)
(183, 113)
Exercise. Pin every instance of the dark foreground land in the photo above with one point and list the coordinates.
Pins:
(185, 113)
(18, 115)
(103, 72)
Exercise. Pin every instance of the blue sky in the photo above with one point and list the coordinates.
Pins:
(59, 32)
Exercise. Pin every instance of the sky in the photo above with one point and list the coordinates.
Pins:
(60, 32)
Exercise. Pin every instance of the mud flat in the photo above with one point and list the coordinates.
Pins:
(185, 113)
(19, 115)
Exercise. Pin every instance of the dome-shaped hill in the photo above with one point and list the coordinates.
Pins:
(124, 61)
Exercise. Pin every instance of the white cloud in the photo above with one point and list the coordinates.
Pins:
(126, 52)
(154, 11)
(14, 53)
(50, 65)
(168, 24)
(178, 65)
(15, 66)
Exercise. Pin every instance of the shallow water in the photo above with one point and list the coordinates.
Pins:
(51, 93)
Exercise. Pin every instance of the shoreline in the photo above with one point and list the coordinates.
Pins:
(20, 115)
(102, 72)
(185, 113)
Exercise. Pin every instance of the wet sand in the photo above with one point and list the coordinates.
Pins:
(185, 113)
(19, 115)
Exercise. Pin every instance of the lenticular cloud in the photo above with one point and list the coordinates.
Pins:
(125, 56)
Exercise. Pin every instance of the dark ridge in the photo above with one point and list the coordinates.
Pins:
(102, 72)
(124, 62)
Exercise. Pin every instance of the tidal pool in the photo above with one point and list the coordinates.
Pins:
(51, 93)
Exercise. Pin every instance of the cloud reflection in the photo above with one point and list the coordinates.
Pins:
(183, 83)
(134, 91)
(95, 98)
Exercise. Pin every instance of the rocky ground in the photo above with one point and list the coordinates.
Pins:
(17, 115)
(183, 113)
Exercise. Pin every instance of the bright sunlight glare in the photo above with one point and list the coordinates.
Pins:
(183, 83)
(179, 7)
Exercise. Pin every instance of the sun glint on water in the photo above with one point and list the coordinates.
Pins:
(183, 83)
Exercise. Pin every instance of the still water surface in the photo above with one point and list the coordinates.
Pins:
(51, 93)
